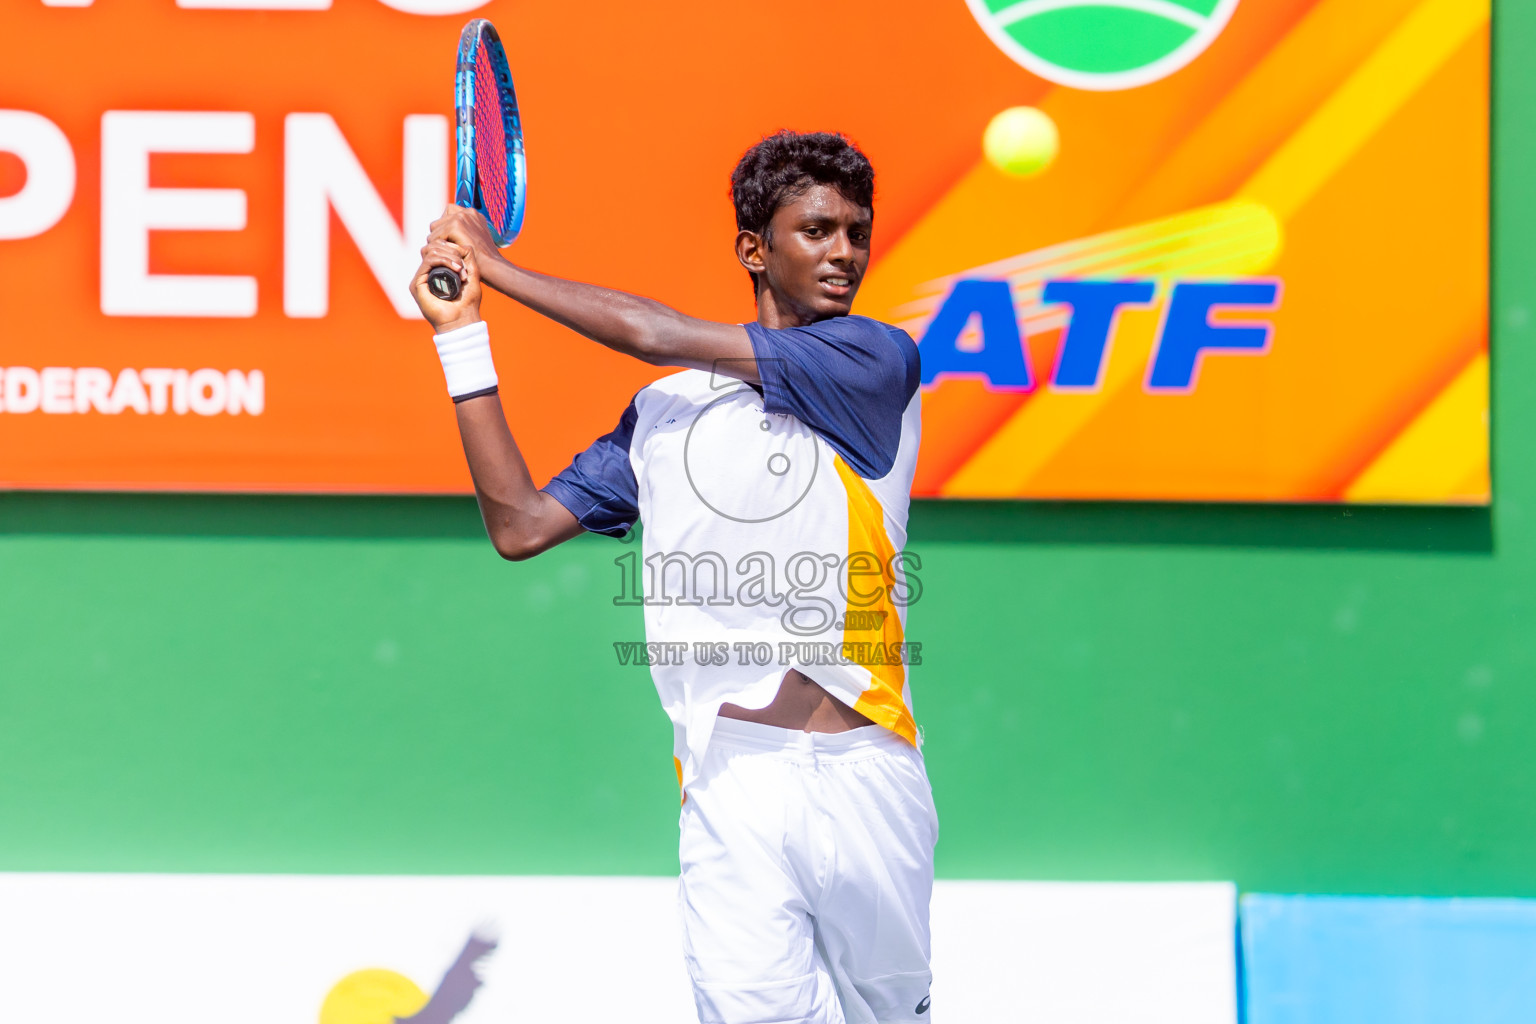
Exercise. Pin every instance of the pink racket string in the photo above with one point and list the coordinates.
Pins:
(490, 140)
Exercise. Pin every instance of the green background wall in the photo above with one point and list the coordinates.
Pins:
(1297, 698)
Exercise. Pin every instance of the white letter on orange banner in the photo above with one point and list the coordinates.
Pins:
(320, 172)
(130, 209)
(50, 164)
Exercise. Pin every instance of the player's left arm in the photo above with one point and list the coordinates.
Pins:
(631, 324)
(520, 519)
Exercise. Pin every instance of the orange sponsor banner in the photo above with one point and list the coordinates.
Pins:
(1244, 275)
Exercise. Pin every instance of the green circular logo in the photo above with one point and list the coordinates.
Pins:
(1103, 44)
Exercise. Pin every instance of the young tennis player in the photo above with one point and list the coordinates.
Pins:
(772, 476)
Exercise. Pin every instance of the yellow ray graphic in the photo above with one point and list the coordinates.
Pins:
(1420, 45)
(1284, 89)
(1033, 435)
(1226, 238)
(1442, 456)
(1414, 51)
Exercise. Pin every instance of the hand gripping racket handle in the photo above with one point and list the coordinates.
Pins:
(444, 283)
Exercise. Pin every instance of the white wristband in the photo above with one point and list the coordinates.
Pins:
(466, 357)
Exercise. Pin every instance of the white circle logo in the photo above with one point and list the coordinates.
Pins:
(747, 466)
(1103, 44)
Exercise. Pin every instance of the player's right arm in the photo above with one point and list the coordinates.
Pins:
(632, 324)
(520, 519)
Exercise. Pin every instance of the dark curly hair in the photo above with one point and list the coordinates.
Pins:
(785, 165)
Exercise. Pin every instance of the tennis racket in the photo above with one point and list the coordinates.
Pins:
(492, 170)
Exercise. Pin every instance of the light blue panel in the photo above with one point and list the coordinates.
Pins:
(1377, 960)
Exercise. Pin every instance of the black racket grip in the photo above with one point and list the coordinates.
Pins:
(444, 283)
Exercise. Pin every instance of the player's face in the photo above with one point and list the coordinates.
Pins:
(816, 253)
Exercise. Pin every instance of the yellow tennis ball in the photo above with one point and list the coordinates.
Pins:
(1021, 141)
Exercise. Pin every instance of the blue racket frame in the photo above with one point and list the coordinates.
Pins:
(467, 188)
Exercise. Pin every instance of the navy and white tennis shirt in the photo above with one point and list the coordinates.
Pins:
(774, 520)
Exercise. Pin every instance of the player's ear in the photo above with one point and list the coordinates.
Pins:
(749, 251)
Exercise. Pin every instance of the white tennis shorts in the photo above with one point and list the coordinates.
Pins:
(807, 867)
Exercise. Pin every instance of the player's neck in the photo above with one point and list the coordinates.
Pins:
(775, 312)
